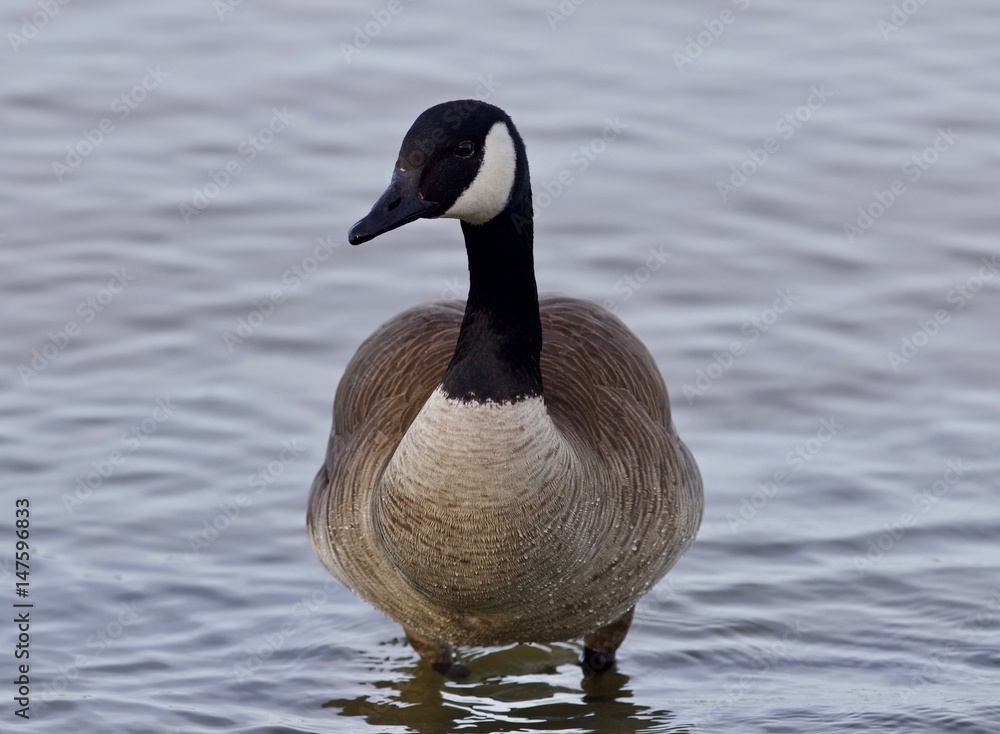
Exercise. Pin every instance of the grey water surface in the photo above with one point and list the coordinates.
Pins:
(795, 205)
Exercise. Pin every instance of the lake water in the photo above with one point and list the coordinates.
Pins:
(179, 303)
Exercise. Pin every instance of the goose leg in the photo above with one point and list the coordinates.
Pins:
(439, 654)
(599, 646)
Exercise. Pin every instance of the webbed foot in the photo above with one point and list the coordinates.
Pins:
(599, 646)
(438, 653)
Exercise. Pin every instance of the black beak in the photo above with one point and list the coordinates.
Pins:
(400, 204)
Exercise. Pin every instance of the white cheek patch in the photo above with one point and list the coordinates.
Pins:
(489, 191)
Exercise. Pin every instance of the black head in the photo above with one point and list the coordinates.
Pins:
(461, 159)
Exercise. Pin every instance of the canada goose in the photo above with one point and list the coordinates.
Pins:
(504, 470)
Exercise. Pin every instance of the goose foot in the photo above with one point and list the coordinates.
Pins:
(593, 661)
(453, 671)
(438, 653)
(599, 646)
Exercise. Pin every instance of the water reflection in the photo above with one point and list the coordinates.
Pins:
(518, 688)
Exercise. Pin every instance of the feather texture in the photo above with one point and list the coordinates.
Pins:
(539, 520)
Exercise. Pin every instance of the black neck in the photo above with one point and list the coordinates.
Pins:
(499, 347)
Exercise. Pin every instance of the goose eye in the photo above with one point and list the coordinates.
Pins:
(465, 149)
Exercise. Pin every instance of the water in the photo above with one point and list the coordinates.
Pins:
(845, 577)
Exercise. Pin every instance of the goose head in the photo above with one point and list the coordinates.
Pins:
(460, 160)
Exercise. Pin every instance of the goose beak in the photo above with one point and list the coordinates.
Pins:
(400, 204)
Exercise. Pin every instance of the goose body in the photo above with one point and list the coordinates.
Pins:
(505, 469)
